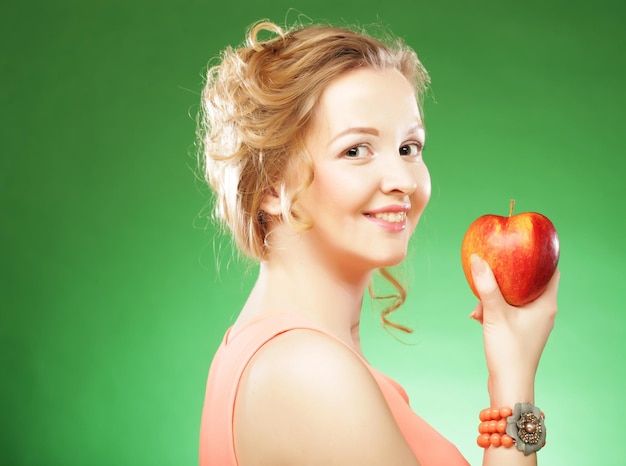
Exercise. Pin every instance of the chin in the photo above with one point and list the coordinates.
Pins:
(391, 260)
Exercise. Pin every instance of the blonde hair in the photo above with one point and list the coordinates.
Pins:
(256, 107)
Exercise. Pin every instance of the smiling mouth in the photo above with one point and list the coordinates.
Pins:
(390, 217)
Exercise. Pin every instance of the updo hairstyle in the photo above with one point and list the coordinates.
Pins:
(256, 108)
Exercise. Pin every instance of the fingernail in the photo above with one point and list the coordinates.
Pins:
(477, 264)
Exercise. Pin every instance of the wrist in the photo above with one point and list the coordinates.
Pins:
(507, 391)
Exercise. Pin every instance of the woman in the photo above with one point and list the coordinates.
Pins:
(312, 142)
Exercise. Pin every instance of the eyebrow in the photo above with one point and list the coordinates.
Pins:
(373, 131)
(416, 127)
(354, 130)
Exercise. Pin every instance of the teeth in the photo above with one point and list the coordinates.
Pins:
(391, 217)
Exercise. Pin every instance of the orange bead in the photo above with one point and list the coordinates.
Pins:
(483, 440)
(495, 414)
(492, 426)
(501, 426)
(485, 414)
(506, 411)
(483, 427)
(495, 441)
(506, 441)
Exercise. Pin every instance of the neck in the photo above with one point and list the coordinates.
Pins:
(308, 286)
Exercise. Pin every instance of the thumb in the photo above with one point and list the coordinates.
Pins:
(484, 281)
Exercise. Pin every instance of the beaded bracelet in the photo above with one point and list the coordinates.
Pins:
(523, 426)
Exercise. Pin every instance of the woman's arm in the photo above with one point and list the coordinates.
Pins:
(514, 338)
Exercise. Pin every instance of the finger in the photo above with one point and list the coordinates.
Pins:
(548, 297)
(485, 282)
(553, 284)
(477, 313)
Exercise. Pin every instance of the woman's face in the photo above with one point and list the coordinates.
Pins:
(371, 184)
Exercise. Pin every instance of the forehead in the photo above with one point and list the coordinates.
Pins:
(367, 97)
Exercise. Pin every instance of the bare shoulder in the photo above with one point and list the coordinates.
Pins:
(305, 398)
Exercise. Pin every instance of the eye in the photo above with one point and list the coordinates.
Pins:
(411, 149)
(357, 152)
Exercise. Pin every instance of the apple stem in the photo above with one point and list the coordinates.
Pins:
(511, 206)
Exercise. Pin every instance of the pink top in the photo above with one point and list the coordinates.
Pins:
(234, 354)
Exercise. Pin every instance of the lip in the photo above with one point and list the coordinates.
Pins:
(393, 227)
(390, 208)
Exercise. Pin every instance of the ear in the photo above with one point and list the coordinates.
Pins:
(271, 203)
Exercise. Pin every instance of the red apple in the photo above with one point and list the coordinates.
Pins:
(522, 250)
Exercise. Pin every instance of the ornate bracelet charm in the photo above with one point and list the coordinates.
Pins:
(526, 426)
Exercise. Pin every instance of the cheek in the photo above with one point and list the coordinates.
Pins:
(426, 186)
(326, 196)
(421, 196)
(338, 187)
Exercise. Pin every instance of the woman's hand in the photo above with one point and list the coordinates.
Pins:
(514, 337)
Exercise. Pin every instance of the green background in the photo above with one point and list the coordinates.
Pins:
(111, 303)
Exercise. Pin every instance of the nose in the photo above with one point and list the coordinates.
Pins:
(399, 175)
